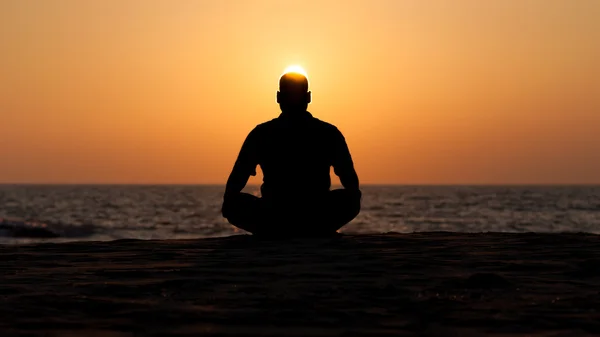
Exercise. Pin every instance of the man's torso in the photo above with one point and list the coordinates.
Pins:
(295, 154)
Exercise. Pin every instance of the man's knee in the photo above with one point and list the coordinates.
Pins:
(239, 204)
(346, 198)
(345, 205)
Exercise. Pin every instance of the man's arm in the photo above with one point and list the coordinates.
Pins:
(342, 163)
(244, 166)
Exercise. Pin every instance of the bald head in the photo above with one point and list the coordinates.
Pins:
(293, 82)
(293, 92)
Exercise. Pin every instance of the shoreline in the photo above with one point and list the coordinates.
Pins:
(41, 240)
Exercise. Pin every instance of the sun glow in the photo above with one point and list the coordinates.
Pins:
(295, 69)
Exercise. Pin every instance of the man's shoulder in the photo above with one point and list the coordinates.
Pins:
(326, 129)
(325, 125)
(262, 130)
(265, 126)
(276, 123)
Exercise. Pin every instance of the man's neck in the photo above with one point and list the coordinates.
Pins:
(294, 113)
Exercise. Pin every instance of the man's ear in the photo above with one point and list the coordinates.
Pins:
(278, 99)
(308, 97)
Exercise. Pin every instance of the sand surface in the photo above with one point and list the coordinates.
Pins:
(439, 284)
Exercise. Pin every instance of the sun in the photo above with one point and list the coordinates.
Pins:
(295, 69)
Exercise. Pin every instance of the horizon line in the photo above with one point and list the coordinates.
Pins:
(332, 185)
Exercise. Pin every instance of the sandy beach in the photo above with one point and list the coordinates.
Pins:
(440, 284)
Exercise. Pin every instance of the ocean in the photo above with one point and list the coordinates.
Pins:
(42, 213)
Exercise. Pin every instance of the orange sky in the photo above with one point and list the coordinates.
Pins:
(426, 92)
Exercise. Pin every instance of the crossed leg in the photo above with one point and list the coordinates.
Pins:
(321, 217)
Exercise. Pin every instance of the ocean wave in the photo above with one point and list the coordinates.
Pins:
(34, 229)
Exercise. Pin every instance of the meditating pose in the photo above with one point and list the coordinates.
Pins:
(295, 152)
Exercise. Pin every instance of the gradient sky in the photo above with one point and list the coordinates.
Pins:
(426, 92)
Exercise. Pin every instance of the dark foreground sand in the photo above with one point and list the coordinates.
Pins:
(385, 285)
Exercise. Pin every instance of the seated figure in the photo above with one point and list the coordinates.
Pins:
(295, 152)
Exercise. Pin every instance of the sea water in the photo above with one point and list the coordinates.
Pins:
(103, 212)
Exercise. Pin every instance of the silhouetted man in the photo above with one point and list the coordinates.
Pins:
(295, 152)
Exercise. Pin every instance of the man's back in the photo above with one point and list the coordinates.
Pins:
(295, 153)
